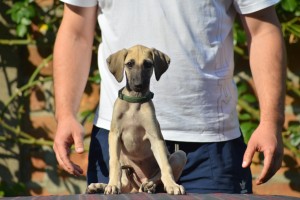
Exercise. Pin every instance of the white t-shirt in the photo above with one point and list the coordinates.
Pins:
(195, 100)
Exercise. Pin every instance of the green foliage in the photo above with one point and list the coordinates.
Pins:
(290, 6)
(96, 78)
(248, 112)
(10, 190)
(295, 135)
(239, 40)
(292, 138)
(22, 13)
(289, 15)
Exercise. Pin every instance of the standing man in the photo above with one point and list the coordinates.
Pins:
(195, 100)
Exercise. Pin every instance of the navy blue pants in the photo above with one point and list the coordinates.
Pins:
(211, 167)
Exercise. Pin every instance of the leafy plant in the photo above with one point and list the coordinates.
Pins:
(9, 190)
(289, 15)
(248, 111)
(22, 13)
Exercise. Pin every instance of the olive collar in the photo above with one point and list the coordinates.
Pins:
(131, 99)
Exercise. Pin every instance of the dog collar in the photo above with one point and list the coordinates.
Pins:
(130, 99)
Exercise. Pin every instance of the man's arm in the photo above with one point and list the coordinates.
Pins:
(72, 57)
(268, 66)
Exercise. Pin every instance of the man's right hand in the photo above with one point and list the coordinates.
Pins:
(69, 132)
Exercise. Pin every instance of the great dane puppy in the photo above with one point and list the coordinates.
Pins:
(139, 160)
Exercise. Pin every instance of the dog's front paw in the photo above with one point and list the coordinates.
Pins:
(148, 187)
(95, 188)
(112, 189)
(175, 189)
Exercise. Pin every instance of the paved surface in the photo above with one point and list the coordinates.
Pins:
(159, 196)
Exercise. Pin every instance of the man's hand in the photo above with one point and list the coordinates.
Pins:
(268, 140)
(69, 132)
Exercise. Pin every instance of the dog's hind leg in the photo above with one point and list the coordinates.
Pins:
(177, 162)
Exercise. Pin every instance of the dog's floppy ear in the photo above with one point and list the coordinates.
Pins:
(161, 63)
(115, 64)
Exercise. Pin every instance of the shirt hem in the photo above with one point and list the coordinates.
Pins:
(81, 3)
(256, 6)
(183, 136)
(197, 137)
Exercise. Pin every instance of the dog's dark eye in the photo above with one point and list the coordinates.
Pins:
(148, 64)
(130, 64)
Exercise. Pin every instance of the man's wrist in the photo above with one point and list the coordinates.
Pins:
(276, 123)
(278, 119)
(64, 115)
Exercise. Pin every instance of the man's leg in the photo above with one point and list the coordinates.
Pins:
(98, 161)
(214, 167)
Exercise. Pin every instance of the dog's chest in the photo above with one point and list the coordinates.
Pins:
(130, 116)
(131, 123)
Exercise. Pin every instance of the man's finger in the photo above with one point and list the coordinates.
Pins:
(268, 170)
(78, 171)
(248, 156)
(60, 162)
(63, 158)
(78, 143)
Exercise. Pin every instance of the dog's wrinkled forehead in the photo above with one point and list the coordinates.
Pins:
(138, 54)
